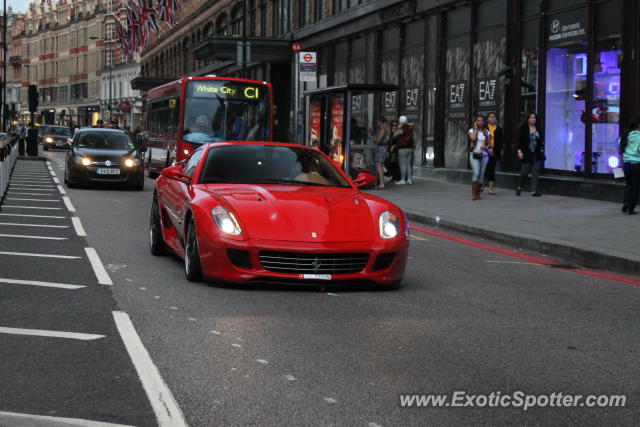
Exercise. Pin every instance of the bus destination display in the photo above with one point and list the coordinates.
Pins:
(226, 90)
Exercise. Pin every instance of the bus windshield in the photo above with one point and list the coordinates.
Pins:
(222, 110)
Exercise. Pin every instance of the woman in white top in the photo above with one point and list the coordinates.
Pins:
(479, 141)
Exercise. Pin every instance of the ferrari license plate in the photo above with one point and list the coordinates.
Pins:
(109, 171)
(317, 276)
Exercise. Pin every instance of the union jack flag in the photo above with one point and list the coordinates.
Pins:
(149, 16)
(123, 36)
(168, 11)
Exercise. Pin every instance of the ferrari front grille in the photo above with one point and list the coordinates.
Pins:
(313, 263)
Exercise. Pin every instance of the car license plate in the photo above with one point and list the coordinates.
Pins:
(109, 171)
(316, 276)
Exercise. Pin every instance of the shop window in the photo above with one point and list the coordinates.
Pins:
(430, 93)
(458, 20)
(489, 61)
(390, 48)
(457, 62)
(528, 7)
(491, 12)
(561, 4)
(341, 55)
(357, 61)
(529, 63)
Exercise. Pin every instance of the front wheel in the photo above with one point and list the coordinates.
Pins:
(192, 269)
(156, 241)
(150, 173)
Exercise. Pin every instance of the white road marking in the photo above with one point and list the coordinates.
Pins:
(29, 175)
(31, 207)
(164, 405)
(77, 225)
(31, 181)
(128, 280)
(263, 361)
(156, 297)
(52, 173)
(37, 190)
(236, 345)
(192, 319)
(67, 203)
(30, 194)
(39, 255)
(19, 236)
(373, 425)
(142, 288)
(34, 216)
(61, 189)
(13, 417)
(56, 180)
(30, 185)
(33, 200)
(173, 307)
(330, 400)
(53, 334)
(333, 295)
(98, 268)
(33, 225)
(215, 332)
(290, 378)
(38, 283)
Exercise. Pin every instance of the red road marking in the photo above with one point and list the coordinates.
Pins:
(524, 257)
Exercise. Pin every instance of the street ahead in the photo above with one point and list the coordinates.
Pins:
(466, 319)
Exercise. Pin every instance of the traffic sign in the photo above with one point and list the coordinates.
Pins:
(296, 47)
(125, 106)
(307, 65)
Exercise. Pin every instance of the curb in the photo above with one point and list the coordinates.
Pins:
(588, 257)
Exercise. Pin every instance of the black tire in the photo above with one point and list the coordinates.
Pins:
(192, 269)
(156, 241)
(69, 182)
(150, 173)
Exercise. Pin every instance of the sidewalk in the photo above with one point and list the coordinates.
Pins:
(587, 232)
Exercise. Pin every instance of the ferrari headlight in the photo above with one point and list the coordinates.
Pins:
(86, 161)
(48, 139)
(131, 162)
(388, 225)
(225, 221)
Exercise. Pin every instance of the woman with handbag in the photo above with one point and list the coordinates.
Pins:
(630, 149)
(495, 150)
(479, 138)
(530, 153)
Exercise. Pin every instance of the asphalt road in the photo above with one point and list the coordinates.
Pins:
(465, 319)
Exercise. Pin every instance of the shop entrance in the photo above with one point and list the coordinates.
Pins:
(338, 120)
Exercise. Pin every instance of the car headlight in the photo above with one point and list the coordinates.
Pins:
(131, 162)
(86, 161)
(47, 139)
(388, 225)
(225, 221)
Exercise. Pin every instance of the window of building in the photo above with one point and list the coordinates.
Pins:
(264, 17)
(282, 17)
(341, 57)
(237, 20)
(222, 25)
(251, 24)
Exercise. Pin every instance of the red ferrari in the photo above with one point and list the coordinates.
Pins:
(270, 212)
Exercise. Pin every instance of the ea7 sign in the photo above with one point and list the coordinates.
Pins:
(486, 92)
(456, 95)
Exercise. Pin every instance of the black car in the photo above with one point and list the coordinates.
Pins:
(104, 156)
(54, 136)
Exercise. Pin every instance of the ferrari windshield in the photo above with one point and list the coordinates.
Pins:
(219, 110)
(269, 164)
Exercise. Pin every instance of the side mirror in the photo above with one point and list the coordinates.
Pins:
(363, 179)
(175, 173)
(69, 142)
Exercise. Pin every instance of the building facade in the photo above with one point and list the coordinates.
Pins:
(67, 48)
(14, 69)
(571, 61)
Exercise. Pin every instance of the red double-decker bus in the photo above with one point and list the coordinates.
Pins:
(184, 114)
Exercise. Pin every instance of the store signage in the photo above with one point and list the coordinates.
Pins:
(390, 101)
(486, 92)
(337, 121)
(307, 65)
(411, 98)
(568, 26)
(456, 95)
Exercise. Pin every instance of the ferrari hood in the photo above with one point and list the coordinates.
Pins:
(300, 213)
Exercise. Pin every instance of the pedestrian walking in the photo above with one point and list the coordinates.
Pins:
(405, 150)
(530, 153)
(478, 154)
(630, 149)
(381, 139)
(392, 161)
(495, 150)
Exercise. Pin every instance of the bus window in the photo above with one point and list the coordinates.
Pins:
(220, 110)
